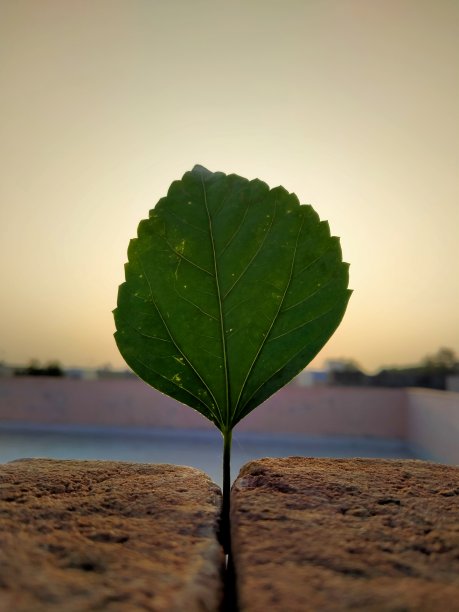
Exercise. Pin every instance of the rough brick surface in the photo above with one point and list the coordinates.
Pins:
(328, 534)
(94, 535)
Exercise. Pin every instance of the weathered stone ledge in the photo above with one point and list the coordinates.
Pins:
(95, 535)
(333, 535)
(309, 535)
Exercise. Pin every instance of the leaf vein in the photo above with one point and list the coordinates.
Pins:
(175, 384)
(242, 413)
(302, 325)
(207, 314)
(220, 305)
(173, 339)
(255, 254)
(237, 305)
(183, 221)
(236, 231)
(313, 262)
(308, 297)
(265, 339)
(185, 258)
(144, 335)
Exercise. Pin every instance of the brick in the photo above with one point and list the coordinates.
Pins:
(96, 535)
(356, 534)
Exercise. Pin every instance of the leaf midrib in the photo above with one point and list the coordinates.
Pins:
(220, 307)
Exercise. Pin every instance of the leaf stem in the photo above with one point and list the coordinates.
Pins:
(225, 532)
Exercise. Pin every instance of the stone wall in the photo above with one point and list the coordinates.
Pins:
(97, 535)
(313, 535)
(308, 535)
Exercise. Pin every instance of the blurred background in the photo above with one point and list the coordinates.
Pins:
(351, 104)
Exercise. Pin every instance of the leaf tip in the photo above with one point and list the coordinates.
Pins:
(201, 170)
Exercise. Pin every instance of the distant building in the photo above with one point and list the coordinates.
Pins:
(108, 373)
(311, 378)
(97, 373)
(81, 373)
(6, 371)
(452, 383)
(337, 365)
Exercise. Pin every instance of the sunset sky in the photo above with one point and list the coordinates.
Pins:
(351, 104)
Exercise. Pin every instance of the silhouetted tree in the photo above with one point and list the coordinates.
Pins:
(35, 369)
(346, 372)
(444, 360)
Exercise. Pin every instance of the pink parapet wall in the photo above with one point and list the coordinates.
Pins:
(331, 411)
(100, 403)
(320, 411)
(428, 421)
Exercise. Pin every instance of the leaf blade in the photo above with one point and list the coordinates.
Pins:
(244, 282)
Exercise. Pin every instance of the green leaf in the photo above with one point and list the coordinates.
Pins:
(231, 289)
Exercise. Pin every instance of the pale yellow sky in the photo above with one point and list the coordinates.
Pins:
(351, 104)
